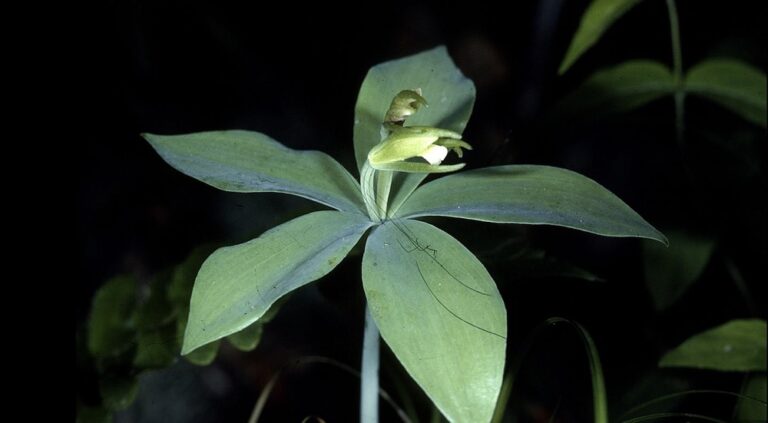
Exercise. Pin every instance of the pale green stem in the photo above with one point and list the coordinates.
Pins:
(369, 376)
(677, 71)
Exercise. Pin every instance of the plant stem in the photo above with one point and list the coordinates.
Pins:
(369, 378)
(677, 71)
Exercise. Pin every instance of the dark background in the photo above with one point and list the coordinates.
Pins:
(293, 71)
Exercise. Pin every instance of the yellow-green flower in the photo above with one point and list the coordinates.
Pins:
(407, 147)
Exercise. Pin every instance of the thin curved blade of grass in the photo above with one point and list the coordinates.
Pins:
(261, 402)
(247, 161)
(663, 398)
(599, 397)
(661, 416)
(598, 17)
(529, 194)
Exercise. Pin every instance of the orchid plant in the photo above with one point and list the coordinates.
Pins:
(430, 299)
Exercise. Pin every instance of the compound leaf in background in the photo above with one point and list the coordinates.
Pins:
(237, 285)
(440, 312)
(247, 161)
(733, 84)
(621, 88)
(669, 271)
(736, 346)
(598, 17)
(529, 194)
(110, 329)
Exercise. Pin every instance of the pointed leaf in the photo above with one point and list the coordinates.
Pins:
(733, 84)
(737, 346)
(441, 314)
(245, 161)
(237, 285)
(598, 17)
(529, 194)
(618, 89)
(669, 271)
(450, 96)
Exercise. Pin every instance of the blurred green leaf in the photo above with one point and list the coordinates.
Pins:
(449, 93)
(441, 314)
(157, 348)
(110, 329)
(669, 271)
(156, 310)
(528, 194)
(246, 161)
(598, 17)
(736, 346)
(204, 355)
(248, 338)
(756, 386)
(733, 84)
(93, 415)
(618, 89)
(237, 285)
(118, 392)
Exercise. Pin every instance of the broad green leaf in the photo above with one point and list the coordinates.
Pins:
(441, 314)
(598, 17)
(248, 338)
(618, 89)
(246, 161)
(756, 386)
(237, 285)
(737, 346)
(669, 271)
(118, 392)
(110, 330)
(450, 96)
(733, 84)
(528, 194)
